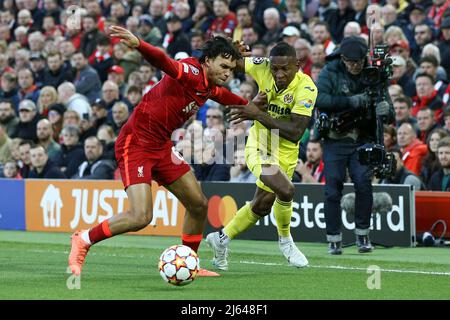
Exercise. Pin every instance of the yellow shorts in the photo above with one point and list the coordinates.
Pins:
(255, 159)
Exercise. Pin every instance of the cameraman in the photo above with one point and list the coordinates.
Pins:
(341, 95)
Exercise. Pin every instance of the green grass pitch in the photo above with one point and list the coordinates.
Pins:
(33, 265)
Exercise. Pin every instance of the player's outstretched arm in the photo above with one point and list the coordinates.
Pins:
(226, 97)
(153, 55)
(291, 130)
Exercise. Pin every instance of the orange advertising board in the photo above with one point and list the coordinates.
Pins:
(69, 205)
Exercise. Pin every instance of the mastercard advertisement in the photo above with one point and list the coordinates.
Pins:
(70, 205)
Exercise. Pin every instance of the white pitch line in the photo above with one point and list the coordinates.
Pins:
(437, 273)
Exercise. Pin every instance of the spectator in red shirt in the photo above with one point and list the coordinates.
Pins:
(225, 20)
(102, 58)
(437, 11)
(51, 28)
(303, 49)
(321, 35)
(426, 123)
(427, 97)
(312, 170)
(413, 150)
(94, 9)
(430, 64)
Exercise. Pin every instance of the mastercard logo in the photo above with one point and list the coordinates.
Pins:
(221, 210)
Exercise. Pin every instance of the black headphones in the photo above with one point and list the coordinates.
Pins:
(428, 240)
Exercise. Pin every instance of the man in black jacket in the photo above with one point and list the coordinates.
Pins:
(43, 168)
(340, 90)
(57, 72)
(95, 167)
(91, 35)
(337, 18)
(28, 119)
(71, 155)
(37, 66)
(176, 40)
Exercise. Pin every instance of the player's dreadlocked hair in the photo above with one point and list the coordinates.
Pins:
(282, 49)
(219, 46)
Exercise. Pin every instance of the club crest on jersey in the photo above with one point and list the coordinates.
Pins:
(258, 60)
(194, 70)
(288, 98)
(141, 172)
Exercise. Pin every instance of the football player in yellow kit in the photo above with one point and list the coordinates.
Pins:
(272, 148)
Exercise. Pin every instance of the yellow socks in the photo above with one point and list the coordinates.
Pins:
(283, 212)
(243, 220)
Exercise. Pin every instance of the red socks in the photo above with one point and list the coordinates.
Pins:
(100, 232)
(192, 240)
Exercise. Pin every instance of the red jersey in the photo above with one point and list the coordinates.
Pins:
(173, 100)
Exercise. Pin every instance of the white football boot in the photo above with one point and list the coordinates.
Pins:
(293, 255)
(220, 250)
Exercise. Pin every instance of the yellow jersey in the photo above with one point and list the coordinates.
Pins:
(299, 98)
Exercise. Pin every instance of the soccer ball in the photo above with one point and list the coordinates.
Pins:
(178, 265)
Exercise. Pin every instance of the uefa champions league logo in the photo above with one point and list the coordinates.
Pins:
(74, 14)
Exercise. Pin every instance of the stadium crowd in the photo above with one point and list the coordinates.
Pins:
(67, 87)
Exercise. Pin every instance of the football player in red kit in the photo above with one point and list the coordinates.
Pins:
(144, 150)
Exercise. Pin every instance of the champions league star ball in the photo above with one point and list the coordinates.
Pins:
(178, 265)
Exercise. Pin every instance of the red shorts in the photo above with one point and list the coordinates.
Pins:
(138, 165)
